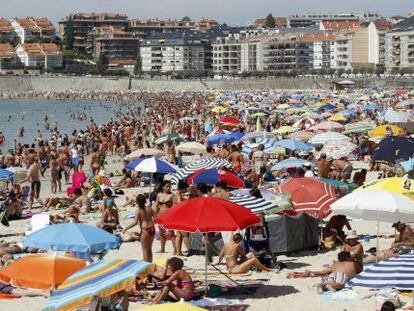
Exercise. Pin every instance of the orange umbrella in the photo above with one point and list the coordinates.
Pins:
(40, 271)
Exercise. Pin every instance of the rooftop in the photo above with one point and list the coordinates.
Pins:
(7, 50)
(340, 25)
(405, 25)
(5, 25)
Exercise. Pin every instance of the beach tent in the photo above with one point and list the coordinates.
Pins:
(293, 233)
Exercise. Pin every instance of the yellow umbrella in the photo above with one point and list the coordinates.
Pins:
(337, 117)
(394, 184)
(219, 109)
(382, 130)
(177, 306)
(285, 129)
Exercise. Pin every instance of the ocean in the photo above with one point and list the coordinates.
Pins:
(30, 114)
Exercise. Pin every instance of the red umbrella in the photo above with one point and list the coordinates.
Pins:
(229, 120)
(207, 214)
(212, 176)
(309, 195)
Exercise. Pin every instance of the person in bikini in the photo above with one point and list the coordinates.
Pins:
(236, 260)
(163, 201)
(144, 216)
(182, 236)
(179, 285)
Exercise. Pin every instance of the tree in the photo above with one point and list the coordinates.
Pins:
(186, 19)
(270, 21)
(102, 64)
(69, 34)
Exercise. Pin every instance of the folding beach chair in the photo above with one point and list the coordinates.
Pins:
(25, 195)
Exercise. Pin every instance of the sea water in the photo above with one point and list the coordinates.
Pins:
(30, 114)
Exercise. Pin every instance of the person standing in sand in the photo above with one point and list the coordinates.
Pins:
(235, 158)
(33, 176)
(144, 216)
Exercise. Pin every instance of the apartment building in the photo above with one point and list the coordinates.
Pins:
(306, 20)
(6, 31)
(85, 23)
(33, 29)
(399, 45)
(7, 54)
(46, 55)
(176, 51)
(115, 43)
(144, 27)
(316, 52)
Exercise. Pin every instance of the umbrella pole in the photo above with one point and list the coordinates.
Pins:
(206, 264)
(376, 254)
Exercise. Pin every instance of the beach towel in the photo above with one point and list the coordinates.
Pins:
(346, 294)
(217, 302)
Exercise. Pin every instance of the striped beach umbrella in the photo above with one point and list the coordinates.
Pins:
(151, 165)
(257, 205)
(309, 195)
(168, 137)
(338, 149)
(395, 272)
(322, 138)
(5, 174)
(204, 162)
(101, 279)
(301, 135)
(358, 127)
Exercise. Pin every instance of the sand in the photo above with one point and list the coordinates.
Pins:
(279, 293)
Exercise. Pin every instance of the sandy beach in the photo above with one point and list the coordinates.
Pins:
(279, 293)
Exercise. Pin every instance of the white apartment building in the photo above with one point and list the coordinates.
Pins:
(31, 29)
(399, 45)
(45, 55)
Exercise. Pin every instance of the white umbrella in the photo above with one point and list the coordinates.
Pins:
(323, 138)
(191, 147)
(338, 149)
(377, 205)
(152, 152)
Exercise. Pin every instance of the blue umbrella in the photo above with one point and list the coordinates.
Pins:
(5, 174)
(327, 106)
(291, 162)
(293, 144)
(268, 143)
(395, 272)
(151, 165)
(70, 237)
(224, 138)
(369, 107)
(394, 148)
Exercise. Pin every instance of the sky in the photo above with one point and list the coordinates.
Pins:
(233, 12)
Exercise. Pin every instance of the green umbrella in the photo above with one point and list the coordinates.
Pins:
(339, 185)
(358, 127)
(167, 137)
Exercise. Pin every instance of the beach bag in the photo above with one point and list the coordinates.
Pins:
(387, 294)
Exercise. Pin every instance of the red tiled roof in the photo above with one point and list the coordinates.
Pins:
(339, 25)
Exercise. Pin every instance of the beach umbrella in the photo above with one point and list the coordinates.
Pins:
(396, 272)
(358, 127)
(327, 126)
(71, 237)
(229, 120)
(255, 135)
(167, 137)
(268, 143)
(380, 131)
(394, 148)
(191, 147)
(40, 271)
(339, 185)
(151, 165)
(176, 306)
(258, 205)
(5, 174)
(405, 103)
(301, 135)
(218, 131)
(323, 138)
(147, 152)
(285, 130)
(290, 162)
(293, 144)
(18, 171)
(338, 149)
(376, 205)
(204, 162)
(309, 195)
(219, 109)
(392, 116)
(259, 115)
(369, 107)
(283, 106)
(101, 279)
(213, 176)
(224, 138)
(400, 185)
(207, 214)
(301, 123)
(337, 117)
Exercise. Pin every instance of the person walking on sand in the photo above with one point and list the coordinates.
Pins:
(144, 216)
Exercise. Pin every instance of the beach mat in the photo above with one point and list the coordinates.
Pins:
(220, 304)
(346, 294)
(229, 284)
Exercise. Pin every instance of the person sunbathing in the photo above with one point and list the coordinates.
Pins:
(178, 286)
(236, 260)
(11, 290)
(335, 277)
